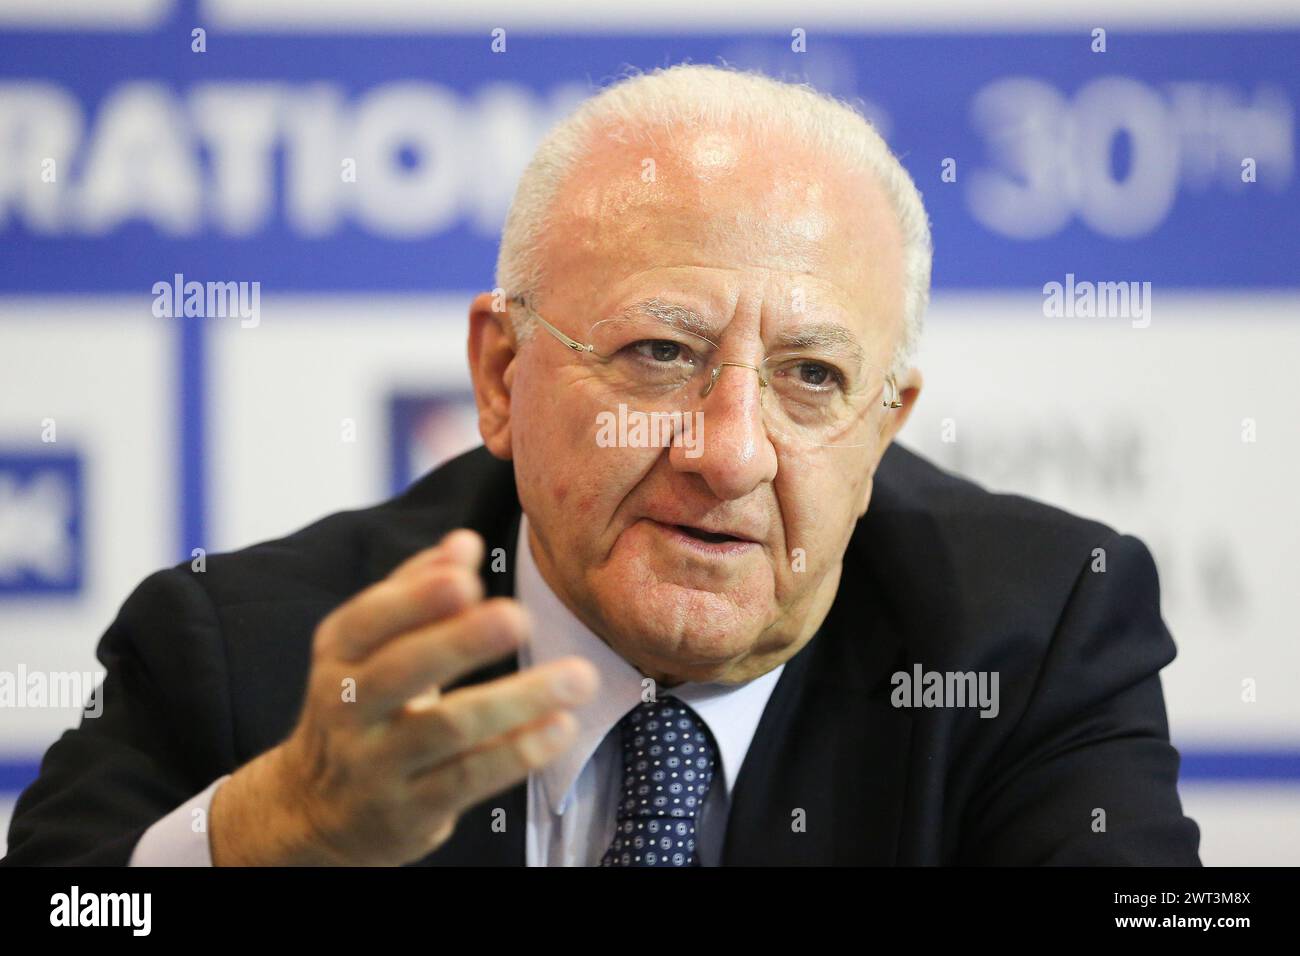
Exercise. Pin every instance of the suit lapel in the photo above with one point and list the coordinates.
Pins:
(824, 780)
(831, 744)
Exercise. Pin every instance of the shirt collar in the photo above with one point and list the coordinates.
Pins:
(732, 712)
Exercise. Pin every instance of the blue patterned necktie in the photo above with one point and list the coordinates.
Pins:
(669, 758)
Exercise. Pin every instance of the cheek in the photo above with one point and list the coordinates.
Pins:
(569, 476)
(587, 505)
(819, 509)
(580, 485)
(578, 506)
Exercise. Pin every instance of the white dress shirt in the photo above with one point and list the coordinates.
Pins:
(572, 801)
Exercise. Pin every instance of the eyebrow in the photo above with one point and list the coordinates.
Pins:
(829, 336)
(672, 314)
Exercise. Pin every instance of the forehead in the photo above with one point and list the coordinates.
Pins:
(724, 206)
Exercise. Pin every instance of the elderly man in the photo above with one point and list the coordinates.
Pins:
(689, 605)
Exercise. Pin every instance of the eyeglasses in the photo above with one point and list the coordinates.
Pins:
(813, 395)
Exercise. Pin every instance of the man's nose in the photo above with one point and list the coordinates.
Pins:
(731, 452)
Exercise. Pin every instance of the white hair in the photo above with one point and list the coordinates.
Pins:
(694, 96)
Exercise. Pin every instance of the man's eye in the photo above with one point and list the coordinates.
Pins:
(813, 374)
(816, 375)
(661, 350)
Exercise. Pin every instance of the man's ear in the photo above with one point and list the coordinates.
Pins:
(491, 367)
(909, 389)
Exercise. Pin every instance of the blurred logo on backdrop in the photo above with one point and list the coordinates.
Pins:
(41, 523)
(427, 429)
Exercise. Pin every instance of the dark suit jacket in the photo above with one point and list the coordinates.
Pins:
(206, 670)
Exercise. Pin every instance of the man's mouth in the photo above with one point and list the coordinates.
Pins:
(712, 537)
(705, 541)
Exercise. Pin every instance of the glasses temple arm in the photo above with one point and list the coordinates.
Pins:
(568, 342)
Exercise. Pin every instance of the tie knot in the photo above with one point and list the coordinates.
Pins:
(669, 760)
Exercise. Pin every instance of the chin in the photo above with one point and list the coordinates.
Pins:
(680, 629)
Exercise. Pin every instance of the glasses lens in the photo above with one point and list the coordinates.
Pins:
(645, 355)
(822, 400)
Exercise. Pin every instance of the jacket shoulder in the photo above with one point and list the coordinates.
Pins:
(963, 571)
(337, 555)
(975, 531)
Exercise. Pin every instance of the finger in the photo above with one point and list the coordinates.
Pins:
(395, 606)
(464, 547)
(435, 655)
(505, 762)
(471, 717)
(461, 547)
